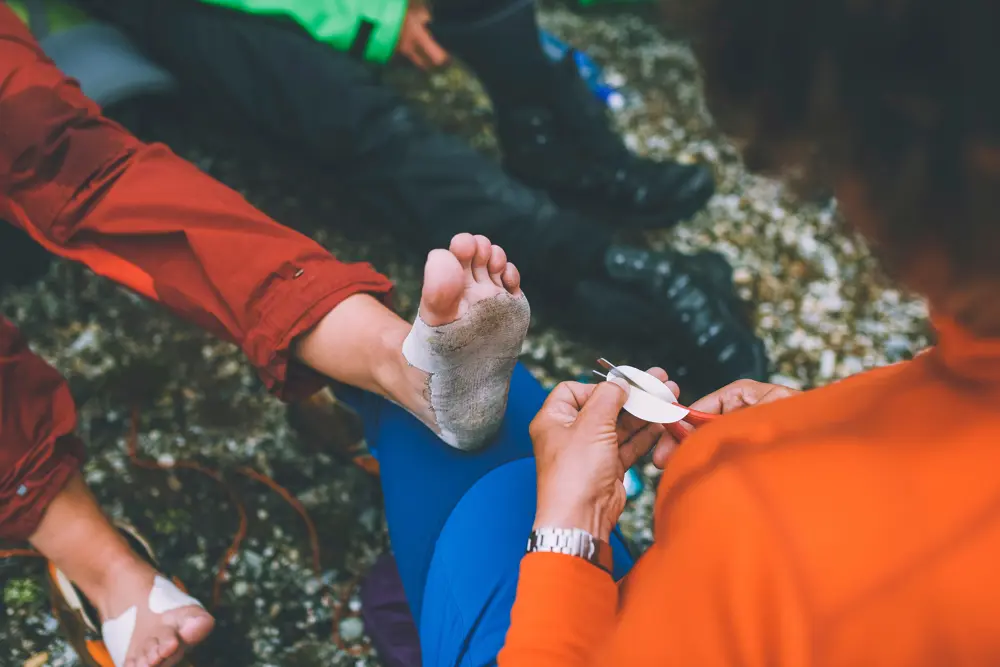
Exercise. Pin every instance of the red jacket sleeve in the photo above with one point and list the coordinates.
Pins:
(38, 451)
(88, 191)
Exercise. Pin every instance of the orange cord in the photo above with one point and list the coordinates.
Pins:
(337, 608)
(241, 531)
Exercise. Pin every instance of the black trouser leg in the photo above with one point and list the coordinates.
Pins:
(499, 40)
(331, 109)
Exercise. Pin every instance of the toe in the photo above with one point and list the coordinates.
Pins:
(512, 279)
(168, 647)
(497, 264)
(153, 653)
(481, 259)
(444, 283)
(196, 627)
(463, 246)
(658, 373)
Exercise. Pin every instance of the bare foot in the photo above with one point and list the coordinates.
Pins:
(147, 621)
(465, 343)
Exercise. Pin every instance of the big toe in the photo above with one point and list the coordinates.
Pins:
(195, 627)
(444, 282)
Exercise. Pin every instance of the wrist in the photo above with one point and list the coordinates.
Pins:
(589, 517)
(572, 542)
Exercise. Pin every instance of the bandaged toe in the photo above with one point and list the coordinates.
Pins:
(117, 633)
(470, 362)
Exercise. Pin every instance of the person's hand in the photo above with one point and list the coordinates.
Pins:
(583, 446)
(733, 397)
(416, 43)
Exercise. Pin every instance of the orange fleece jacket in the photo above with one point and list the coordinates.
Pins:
(854, 525)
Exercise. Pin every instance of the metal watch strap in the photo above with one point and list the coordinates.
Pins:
(573, 542)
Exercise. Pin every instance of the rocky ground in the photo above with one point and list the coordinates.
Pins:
(821, 308)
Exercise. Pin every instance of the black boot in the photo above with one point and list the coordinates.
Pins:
(554, 133)
(673, 310)
(566, 146)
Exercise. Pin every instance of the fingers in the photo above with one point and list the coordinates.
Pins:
(661, 375)
(664, 448)
(416, 42)
(562, 406)
(605, 403)
(741, 394)
(572, 394)
(419, 12)
(738, 395)
(640, 443)
(776, 392)
(628, 424)
(416, 56)
(433, 53)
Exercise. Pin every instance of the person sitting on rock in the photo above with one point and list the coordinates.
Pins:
(296, 73)
(88, 191)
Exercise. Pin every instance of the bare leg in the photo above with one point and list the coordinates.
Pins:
(360, 342)
(78, 538)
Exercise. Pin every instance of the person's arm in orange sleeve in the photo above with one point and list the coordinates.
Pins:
(87, 190)
(563, 613)
(716, 589)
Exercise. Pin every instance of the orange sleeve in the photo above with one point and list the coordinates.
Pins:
(717, 589)
(564, 610)
(88, 191)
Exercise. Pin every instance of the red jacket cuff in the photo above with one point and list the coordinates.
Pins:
(293, 302)
(40, 477)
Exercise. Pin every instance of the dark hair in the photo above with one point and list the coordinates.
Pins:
(903, 95)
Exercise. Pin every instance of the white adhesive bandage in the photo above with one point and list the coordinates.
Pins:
(470, 362)
(655, 403)
(117, 633)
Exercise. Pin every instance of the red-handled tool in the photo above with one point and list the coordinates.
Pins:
(651, 400)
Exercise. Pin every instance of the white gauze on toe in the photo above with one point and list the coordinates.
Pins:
(117, 632)
(470, 362)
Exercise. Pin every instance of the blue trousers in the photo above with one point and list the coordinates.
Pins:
(459, 522)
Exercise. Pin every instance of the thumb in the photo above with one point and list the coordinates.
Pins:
(606, 402)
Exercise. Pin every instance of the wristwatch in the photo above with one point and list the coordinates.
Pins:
(573, 542)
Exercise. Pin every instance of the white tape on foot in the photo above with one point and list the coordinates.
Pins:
(117, 633)
(470, 362)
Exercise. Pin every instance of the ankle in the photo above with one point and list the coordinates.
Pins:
(392, 374)
(122, 572)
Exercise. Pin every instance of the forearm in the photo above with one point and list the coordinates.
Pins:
(564, 603)
(563, 613)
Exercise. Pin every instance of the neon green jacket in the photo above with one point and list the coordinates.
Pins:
(369, 28)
